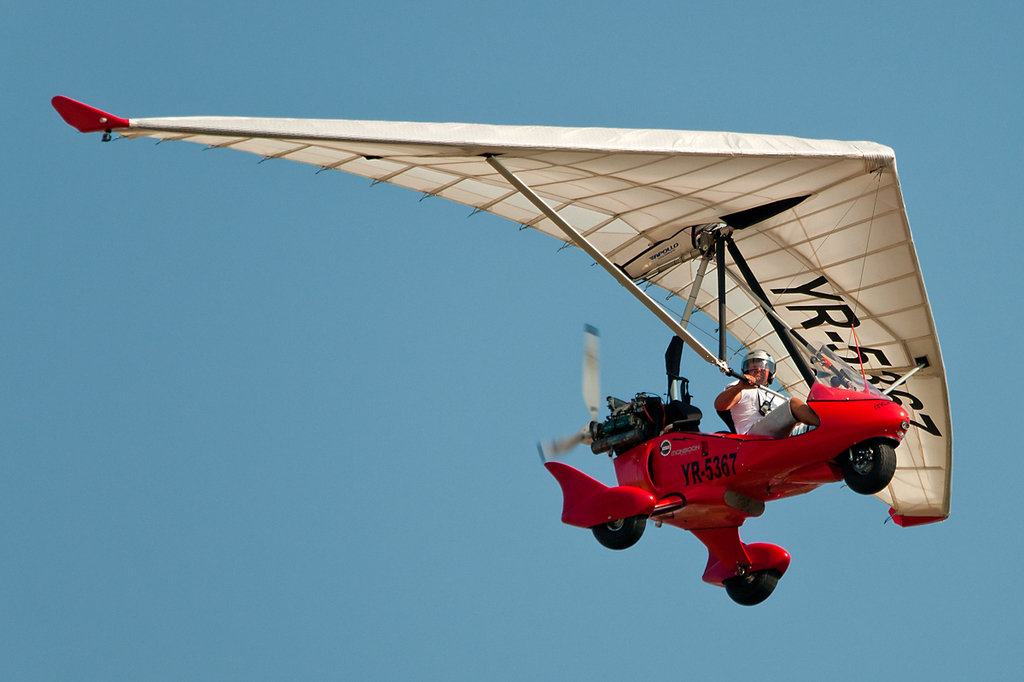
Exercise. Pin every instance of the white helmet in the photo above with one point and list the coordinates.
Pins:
(760, 359)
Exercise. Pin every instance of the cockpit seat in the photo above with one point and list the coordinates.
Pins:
(682, 416)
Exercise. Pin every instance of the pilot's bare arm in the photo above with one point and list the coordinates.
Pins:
(731, 395)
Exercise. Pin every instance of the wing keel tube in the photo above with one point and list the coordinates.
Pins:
(86, 119)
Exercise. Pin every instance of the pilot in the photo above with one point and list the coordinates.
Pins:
(757, 411)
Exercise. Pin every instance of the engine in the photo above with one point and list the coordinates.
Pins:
(629, 424)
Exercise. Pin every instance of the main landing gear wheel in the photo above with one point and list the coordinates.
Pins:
(752, 588)
(868, 467)
(622, 533)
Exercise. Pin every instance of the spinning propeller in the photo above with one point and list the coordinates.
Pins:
(591, 397)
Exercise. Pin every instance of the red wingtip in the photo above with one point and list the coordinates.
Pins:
(85, 118)
(909, 521)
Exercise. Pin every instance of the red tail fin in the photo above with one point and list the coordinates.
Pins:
(588, 502)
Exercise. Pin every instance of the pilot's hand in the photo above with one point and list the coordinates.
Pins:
(751, 381)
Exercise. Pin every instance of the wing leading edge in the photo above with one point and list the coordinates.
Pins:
(840, 266)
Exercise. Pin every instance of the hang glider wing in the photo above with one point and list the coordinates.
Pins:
(839, 266)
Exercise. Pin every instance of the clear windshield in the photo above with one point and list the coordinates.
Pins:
(833, 371)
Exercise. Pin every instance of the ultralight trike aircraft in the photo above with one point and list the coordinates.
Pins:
(823, 275)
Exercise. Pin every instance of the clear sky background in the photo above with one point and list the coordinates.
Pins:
(259, 423)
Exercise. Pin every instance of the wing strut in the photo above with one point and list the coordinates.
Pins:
(722, 310)
(899, 382)
(614, 270)
(785, 333)
(694, 290)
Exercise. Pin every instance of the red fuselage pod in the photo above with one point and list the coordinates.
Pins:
(725, 478)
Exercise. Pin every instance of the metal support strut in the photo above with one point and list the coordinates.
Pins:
(902, 379)
(784, 332)
(694, 290)
(720, 266)
(613, 269)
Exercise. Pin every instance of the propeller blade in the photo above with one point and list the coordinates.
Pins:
(563, 446)
(591, 372)
(591, 396)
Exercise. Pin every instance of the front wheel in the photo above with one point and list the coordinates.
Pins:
(752, 588)
(622, 533)
(868, 467)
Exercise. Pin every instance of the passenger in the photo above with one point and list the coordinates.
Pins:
(760, 412)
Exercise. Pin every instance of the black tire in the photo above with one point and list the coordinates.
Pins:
(752, 588)
(620, 534)
(868, 467)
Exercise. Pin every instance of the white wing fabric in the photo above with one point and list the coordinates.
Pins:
(840, 262)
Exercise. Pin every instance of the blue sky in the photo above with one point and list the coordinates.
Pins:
(265, 424)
